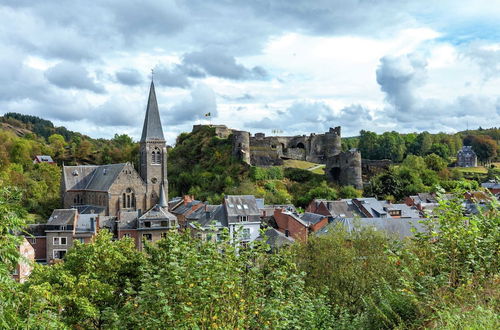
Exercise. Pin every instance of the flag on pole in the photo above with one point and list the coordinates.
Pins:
(207, 114)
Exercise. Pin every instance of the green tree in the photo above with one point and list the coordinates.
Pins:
(57, 143)
(435, 162)
(368, 144)
(93, 283)
(197, 286)
(485, 148)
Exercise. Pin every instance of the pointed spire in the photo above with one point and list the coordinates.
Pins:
(163, 200)
(152, 129)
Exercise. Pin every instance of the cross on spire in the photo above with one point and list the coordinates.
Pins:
(152, 74)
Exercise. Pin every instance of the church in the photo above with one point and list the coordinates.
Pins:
(115, 188)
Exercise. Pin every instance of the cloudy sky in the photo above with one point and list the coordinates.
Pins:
(297, 66)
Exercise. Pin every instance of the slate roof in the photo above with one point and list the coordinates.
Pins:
(237, 205)
(152, 130)
(90, 209)
(343, 208)
(466, 150)
(44, 159)
(37, 229)
(374, 207)
(77, 177)
(128, 220)
(183, 208)
(400, 227)
(62, 217)
(157, 213)
(492, 184)
(406, 211)
(277, 239)
(91, 177)
(216, 216)
(312, 218)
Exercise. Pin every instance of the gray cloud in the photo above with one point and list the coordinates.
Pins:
(398, 77)
(306, 117)
(216, 63)
(201, 101)
(171, 76)
(68, 75)
(129, 77)
(488, 59)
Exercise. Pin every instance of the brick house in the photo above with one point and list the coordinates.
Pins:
(25, 266)
(299, 227)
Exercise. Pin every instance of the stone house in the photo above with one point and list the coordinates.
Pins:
(466, 157)
(156, 222)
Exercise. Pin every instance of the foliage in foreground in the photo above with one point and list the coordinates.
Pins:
(445, 278)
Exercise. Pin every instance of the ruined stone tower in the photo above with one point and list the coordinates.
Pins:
(345, 169)
(153, 152)
(241, 145)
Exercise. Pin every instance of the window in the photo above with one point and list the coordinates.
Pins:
(164, 223)
(245, 233)
(147, 224)
(163, 235)
(128, 199)
(81, 240)
(245, 206)
(59, 240)
(63, 227)
(126, 235)
(156, 156)
(238, 206)
(58, 254)
(33, 240)
(147, 237)
(172, 224)
(243, 218)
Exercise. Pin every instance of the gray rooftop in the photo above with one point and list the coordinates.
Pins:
(152, 130)
(400, 227)
(237, 205)
(91, 177)
(277, 239)
(312, 218)
(62, 217)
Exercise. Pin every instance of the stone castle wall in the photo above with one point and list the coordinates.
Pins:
(261, 150)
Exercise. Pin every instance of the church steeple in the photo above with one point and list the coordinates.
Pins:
(153, 153)
(152, 130)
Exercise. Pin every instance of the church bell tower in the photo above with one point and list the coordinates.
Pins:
(153, 152)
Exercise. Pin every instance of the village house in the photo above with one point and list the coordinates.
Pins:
(492, 185)
(466, 157)
(298, 226)
(43, 159)
(25, 266)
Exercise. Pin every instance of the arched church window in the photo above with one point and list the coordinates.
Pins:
(158, 157)
(128, 199)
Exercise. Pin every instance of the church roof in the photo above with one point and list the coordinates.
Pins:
(91, 177)
(152, 129)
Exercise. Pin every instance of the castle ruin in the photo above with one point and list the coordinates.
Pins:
(261, 150)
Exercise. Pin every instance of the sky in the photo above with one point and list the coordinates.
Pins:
(296, 67)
